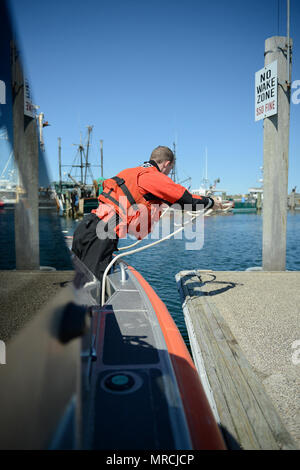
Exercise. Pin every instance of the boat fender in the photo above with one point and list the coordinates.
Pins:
(73, 322)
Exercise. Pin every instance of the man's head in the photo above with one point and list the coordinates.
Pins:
(164, 157)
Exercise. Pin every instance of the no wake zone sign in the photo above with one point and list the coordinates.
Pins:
(266, 91)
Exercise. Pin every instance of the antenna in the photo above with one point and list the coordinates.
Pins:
(205, 179)
(173, 171)
(59, 162)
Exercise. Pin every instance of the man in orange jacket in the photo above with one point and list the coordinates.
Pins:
(130, 203)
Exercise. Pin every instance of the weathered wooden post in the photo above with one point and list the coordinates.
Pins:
(26, 152)
(276, 152)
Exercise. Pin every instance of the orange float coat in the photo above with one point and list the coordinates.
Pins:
(138, 195)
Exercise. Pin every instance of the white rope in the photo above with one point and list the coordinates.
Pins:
(192, 214)
(139, 241)
(129, 246)
(137, 250)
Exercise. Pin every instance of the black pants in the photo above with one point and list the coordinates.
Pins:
(95, 253)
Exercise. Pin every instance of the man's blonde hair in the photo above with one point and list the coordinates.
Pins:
(162, 154)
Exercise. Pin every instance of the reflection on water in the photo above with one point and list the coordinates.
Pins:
(53, 251)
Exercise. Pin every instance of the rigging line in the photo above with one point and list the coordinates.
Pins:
(5, 168)
(87, 165)
(75, 159)
(90, 172)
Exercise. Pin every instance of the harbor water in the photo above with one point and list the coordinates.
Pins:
(231, 243)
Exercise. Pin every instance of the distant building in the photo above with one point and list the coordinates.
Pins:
(255, 191)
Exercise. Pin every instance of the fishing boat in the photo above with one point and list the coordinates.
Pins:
(242, 205)
(227, 205)
(206, 189)
(86, 192)
(7, 198)
(47, 198)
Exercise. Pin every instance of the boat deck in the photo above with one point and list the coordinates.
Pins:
(243, 328)
(130, 394)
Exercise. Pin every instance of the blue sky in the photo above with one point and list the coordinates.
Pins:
(146, 72)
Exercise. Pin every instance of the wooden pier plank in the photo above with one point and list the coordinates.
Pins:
(215, 377)
(276, 426)
(242, 430)
(249, 400)
(243, 406)
(215, 385)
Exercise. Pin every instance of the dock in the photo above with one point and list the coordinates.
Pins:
(243, 329)
(24, 293)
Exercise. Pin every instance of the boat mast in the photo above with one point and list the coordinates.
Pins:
(81, 150)
(89, 128)
(205, 179)
(101, 154)
(84, 158)
(206, 164)
(59, 163)
(173, 171)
